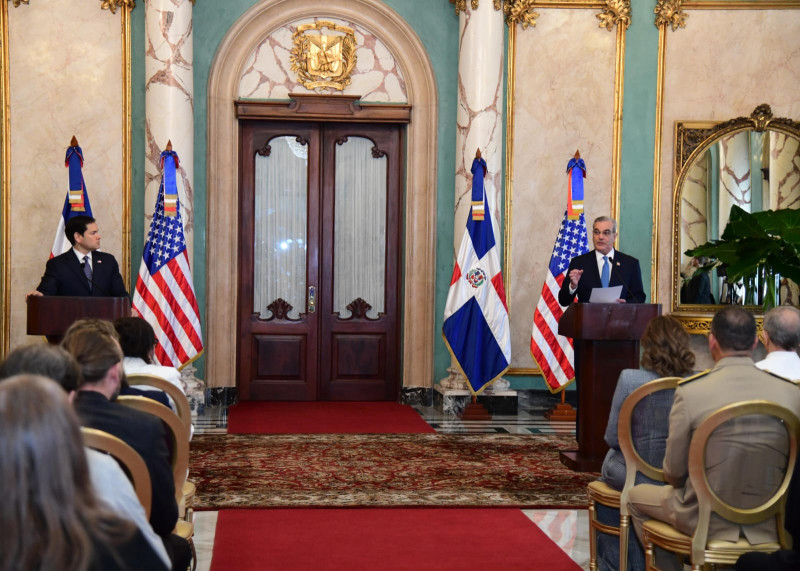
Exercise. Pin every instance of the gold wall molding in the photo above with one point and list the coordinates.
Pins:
(616, 13)
(5, 194)
(16, 5)
(670, 13)
(520, 12)
(112, 5)
(127, 146)
(461, 5)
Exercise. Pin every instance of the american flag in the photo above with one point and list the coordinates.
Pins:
(164, 293)
(76, 202)
(552, 352)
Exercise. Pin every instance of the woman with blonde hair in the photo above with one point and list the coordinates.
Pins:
(51, 519)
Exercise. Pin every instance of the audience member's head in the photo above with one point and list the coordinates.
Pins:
(43, 359)
(782, 328)
(136, 337)
(89, 324)
(665, 347)
(733, 332)
(99, 359)
(50, 517)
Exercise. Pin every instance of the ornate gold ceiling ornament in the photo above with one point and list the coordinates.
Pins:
(670, 13)
(18, 2)
(323, 60)
(520, 12)
(112, 5)
(616, 13)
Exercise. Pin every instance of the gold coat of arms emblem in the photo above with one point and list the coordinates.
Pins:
(323, 59)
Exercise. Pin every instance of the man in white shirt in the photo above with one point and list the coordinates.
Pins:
(782, 340)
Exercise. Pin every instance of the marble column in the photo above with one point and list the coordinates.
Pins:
(169, 104)
(479, 120)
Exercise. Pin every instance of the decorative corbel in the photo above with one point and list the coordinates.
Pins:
(520, 12)
(670, 13)
(18, 2)
(461, 5)
(112, 5)
(616, 13)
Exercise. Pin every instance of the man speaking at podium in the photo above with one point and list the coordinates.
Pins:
(602, 267)
(82, 270)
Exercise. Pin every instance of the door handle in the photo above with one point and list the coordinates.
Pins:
(312, 299)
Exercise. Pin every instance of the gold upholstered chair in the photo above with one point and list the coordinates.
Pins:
(601, 493)
(708, 553)
(131, 462)
(184, 412)
(180, 455)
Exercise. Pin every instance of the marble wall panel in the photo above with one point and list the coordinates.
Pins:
(268, 71)
(65, 69)
(721, 66)
(784, 171)
(555, 114)
(694, 208)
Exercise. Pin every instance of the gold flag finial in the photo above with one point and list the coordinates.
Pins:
(577, 154)
(73, 142)
(169, 145)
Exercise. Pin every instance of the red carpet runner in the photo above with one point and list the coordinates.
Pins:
(385, 539)
(261, 417)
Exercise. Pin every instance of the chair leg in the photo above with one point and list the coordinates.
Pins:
(592, 536)
(649, 556)
(194, 554)
(624, 528)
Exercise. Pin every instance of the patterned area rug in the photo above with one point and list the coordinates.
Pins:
(305, 470)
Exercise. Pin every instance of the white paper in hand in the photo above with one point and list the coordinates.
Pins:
(606, 294)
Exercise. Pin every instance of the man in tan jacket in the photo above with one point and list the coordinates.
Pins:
(746, 459)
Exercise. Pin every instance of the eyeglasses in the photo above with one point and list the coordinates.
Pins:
(605, 233)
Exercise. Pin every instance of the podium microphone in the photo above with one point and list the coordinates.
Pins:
(627, 289)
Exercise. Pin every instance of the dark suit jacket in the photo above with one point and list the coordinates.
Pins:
(64, 275)
(145, 434)
(625, 271)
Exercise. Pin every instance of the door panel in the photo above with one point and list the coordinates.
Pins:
(279, 329)
(321, 209)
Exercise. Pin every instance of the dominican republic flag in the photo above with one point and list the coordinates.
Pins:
(476, 328)
(164, 293)
(551, 351)
(76, 202)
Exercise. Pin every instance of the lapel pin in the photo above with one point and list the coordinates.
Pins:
(617, 263)
(101, 261)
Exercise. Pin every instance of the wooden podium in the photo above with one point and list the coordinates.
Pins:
(606, 340)
(51, 316)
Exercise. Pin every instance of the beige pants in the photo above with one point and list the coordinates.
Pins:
(646, 501)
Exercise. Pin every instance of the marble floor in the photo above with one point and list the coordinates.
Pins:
(569, 529)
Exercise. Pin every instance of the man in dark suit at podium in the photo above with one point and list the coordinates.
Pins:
(82, 270)
(602, 267)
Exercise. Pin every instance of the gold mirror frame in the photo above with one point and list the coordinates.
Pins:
(692, 140)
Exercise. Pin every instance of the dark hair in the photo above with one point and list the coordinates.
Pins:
(49, 361)
(77, 224)
(734, 329)
(95, 351)
(136, 337)
(665, 347)
(51, 518)
(782, 324)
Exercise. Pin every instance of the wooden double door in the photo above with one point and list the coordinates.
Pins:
(319, 286)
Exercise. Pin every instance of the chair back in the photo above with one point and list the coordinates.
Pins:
(131, 462)
(709, 502)
(176, 433)
(182, 408)
(634, 461)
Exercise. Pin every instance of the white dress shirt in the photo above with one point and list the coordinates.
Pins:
(599, 256)
(783, 363)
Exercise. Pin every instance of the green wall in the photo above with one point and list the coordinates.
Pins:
(436, 24)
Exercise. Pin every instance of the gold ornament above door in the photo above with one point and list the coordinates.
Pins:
(324, 60)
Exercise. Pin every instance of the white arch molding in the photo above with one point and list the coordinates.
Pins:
(223, 177)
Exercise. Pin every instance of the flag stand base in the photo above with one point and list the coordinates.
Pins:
(476, 411)
(562, 411)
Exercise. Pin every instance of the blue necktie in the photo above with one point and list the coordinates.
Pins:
(87, 270)
(606, 271)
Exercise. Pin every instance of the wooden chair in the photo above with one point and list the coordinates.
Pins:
(184, 412)
(180, 455)
(132, 464)
(701, 551)
(601, 493)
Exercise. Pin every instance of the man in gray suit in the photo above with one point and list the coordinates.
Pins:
(762, 442)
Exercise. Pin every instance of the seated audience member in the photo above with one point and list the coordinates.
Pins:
(51, 518)
(665, 353)
(107, 328)
(109, 482)
(138, 342)
(734, 378)
(696, 287)
(100, 361)
(782, 341)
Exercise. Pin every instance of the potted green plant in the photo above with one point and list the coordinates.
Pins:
(759, 246)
